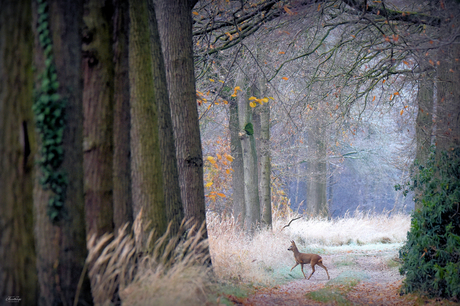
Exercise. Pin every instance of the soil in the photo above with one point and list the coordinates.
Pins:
(375, 281)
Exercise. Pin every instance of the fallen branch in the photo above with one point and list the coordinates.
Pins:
(290, 222)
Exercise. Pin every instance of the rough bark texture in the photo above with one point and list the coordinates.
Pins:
(424, 121)
(122, 197)
(251, 181)
(61, 248)
(239, 209)
(18, 275)
(97, 64)
(171, 188)
(448, 96)
(317, 171)
(147, 178)
(175, 28)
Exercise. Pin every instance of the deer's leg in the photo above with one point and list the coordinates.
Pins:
(301, 266)
(324, 267)
(296, 264)
(312, 270)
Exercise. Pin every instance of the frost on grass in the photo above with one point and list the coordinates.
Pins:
(264, 258)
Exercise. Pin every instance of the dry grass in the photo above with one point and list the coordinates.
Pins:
(171, 272)
(264, 259)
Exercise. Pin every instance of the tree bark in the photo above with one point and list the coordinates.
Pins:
(147, 177)
(448, 96)
(251, 182)
(424, 120)
(175, 28)
(317, 171)
(171, 188)
(97, 63)
(18, 276)
(122, 196)
(61, 248)
(239, 209)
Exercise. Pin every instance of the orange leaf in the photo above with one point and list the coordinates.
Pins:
(285, 78)
(221, 195)
(373, 99)
(195, 13)
(229, 157)
(401, 112)
(383, 82)
(281, 52)
(406, 63)
(396, 93)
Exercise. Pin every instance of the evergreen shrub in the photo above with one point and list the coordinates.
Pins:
(431, 255)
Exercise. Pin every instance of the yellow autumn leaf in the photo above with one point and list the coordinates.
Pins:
(225, 102)
(234, 95)
(219, 156)
(229, 157)
(237, 88)
(252, 104)
(265, 99)
(221, 81)
(271, 98)
(212, 80)
(211, 159)
(252, 98)
(227, 171)
(209, 184)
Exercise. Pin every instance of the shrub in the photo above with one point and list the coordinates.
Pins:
(431, 255)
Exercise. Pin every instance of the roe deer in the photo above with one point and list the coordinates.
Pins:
(302, 258)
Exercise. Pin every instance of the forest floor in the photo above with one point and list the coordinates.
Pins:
(361, 276)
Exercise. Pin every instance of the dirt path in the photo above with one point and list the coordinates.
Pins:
(359, 277)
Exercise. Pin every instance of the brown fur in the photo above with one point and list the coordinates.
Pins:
(303, 258)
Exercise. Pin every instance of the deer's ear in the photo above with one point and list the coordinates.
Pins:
(292, 241)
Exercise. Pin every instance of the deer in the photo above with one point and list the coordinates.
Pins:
(303, 258)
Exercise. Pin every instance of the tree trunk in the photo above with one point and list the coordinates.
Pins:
(264, 159)
(424, 123)
(175, 28)
(61, 247)
(122, 196)
(317, 171)
(18, 275)
(448, 96)
(98, 117)
(171, 188)
(239, 209)
(251, 182)
(147, 177)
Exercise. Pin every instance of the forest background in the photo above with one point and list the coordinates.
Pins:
(164, 111)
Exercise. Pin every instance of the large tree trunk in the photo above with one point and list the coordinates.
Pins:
(98, 117)
(171, 188)
(239, 209)
(147, 177)
(448, 96)
(18, 275)
(251, 181)
(122, 197)
(424, 122)
(61, 247)
(317, 171)
(175, 27)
